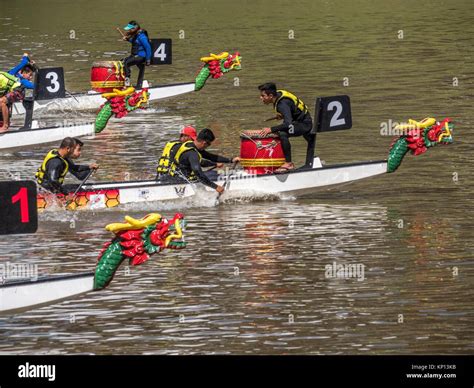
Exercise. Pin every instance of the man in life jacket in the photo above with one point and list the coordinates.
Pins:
(57, 163)
(296, 119)
(12, 88)
(191, 156)
(140, 54)
(188, 133)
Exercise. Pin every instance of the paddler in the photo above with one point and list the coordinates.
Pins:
(296, 119)
(186, 134)
(191, 156)
(140, 54)
(57, 163)
(12, 87)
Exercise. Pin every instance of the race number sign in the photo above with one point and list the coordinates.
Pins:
(161, 52)
(50, 84)
(18, 208)
(333, 113)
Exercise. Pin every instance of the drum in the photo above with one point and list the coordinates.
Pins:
(260, 154)
(107, 75)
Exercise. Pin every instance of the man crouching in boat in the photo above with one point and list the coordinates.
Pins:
(296, 119)
(12, 87)
(186, 159)
(58, 163)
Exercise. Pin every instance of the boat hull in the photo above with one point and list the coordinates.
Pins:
(29, 137)
(26, 294)
(296, 183)
(93, 100)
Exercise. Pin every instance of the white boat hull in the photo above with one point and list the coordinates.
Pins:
(296, 183)
(93, 100)
(28, 137)
(26, 294)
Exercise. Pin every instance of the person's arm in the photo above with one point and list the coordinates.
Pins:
(195, 165)
(26, 83)
(284, 108)
(14, 70)
(78, 170)
(207, 163)
(214, 158)
(146, 45)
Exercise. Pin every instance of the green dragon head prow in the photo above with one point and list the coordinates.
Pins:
(137, 240)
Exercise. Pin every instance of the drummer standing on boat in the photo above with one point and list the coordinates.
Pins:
(57, 163)
(12, 87)
(296, 119)
(141, 52)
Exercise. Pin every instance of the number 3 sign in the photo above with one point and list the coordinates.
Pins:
(18, 208)
(50, 83)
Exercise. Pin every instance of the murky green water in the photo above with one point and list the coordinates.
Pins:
(252, 279)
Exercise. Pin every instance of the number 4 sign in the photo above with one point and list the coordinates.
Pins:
(18, 209)
(161, 52)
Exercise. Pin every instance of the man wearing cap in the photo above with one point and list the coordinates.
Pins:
(140, 54)
(187, 157)
(186, 134)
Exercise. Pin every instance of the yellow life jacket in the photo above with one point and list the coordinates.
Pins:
(167, 156)
(186, 146)
(300, 105)
(8, 82)
(42, 170)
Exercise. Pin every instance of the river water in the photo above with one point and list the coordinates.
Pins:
(253, 277)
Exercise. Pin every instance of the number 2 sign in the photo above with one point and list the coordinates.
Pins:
(161, 52)
(334, 113)
(18, 209)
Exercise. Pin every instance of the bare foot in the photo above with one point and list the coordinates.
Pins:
(3, 129)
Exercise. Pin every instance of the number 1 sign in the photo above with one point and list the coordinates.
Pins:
(18, 209)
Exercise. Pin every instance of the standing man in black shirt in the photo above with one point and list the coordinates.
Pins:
(296, 119)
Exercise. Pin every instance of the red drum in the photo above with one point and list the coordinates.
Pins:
(107, 75)
(260, 154)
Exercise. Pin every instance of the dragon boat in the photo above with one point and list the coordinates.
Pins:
(109, 96)
(260, 158)
(134, 239)
(108, 75)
